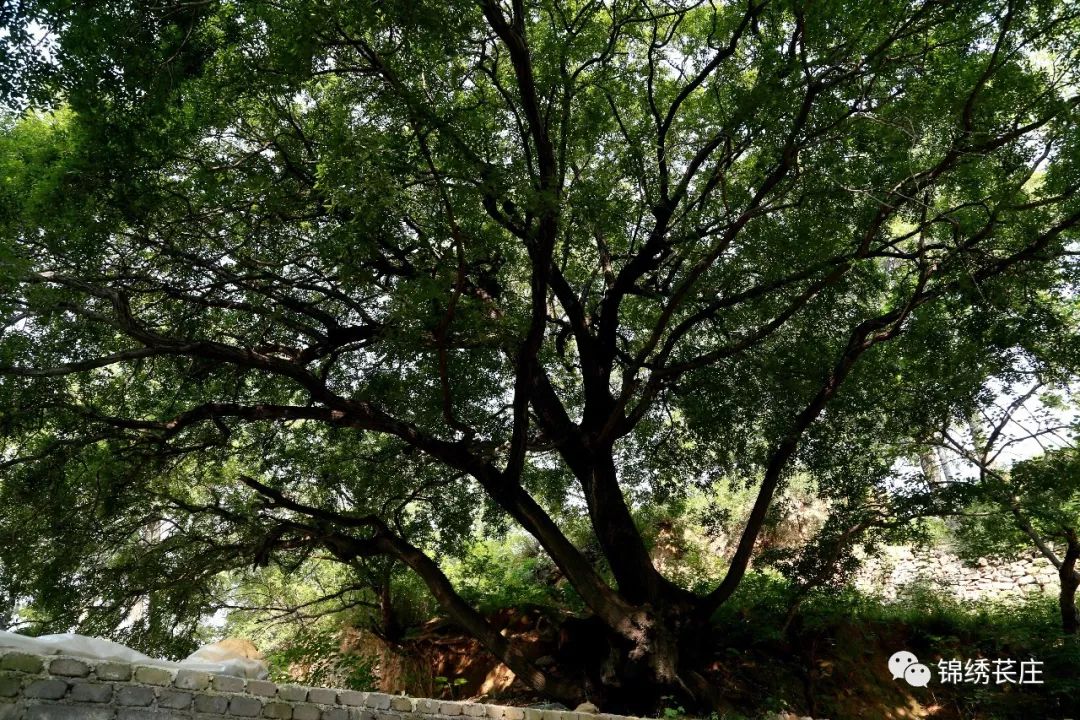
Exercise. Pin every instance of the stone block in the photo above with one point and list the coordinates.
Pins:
(265, 688)
(113, 671)
(331, 714)
(306, 711)
(534, 714)
(513, 713)
(292, 693)
(427, 706)
(21, 662)
(149, 714)
(134, 695)
(401, 704)
(279, 710)
(91, 692)
(173, 700)
(9, 684)
(68, 712)
(228, 683)
(46, 689)
(361, 714)
(215, 704)
(244, 706)
(323, 696)
(192, 680)
(351, 697)
(69, 667)
(451, 709)
(377, 701)
(473, 710)
(151, 675)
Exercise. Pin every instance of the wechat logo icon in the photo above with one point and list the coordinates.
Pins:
(904, 664)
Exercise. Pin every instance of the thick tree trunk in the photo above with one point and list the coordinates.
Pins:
(653, 654)
(1070, 580)
(638, 579)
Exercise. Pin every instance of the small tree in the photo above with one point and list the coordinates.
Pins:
(1013, 506)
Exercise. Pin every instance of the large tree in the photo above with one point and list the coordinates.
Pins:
(292, 277)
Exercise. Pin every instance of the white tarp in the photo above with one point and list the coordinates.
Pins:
(99, 649)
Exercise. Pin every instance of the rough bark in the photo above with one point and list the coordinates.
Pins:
(1070, 580)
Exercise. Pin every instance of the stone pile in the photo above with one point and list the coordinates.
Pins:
(900, 567)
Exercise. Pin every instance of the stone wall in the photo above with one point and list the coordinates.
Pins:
(68, 688)
(900, 567)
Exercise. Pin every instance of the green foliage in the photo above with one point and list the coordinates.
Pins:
(448, 685)
(504, 572)
(315, 658)
(1035, 498)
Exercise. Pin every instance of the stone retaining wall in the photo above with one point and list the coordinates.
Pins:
(986, 579)
(68, 688)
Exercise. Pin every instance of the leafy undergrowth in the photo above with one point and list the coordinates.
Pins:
(831, 662)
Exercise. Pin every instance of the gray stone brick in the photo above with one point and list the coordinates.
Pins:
(91, 692)
(9, 684)
(134, 695)
(192, 680)
(427, 706)
(174, 700)
(23, 662)
(452, 709)
(46, 689)
(69, 667)
(361, 714)
(401, 704)
(149, 714)
(533, 714)
(211, 704)
(10, 711)
(474, 710)
(113, 671)
(153, 675)
(305, 711)
(279, 710)
(513, 713)
(378, 701)
(68, 712)
(262, 687)
(333, 714)
(495, 712)
(351, 697)
(228, 683)
(323, 696)
(244, 706)
(292, 693)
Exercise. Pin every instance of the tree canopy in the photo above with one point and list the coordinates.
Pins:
(293, 278)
